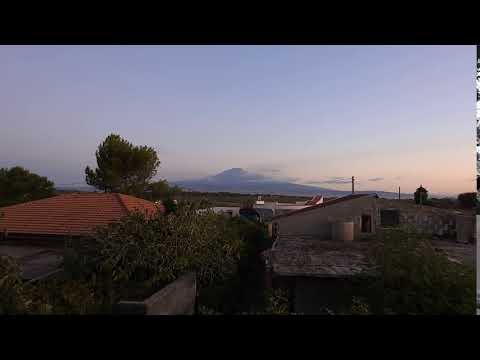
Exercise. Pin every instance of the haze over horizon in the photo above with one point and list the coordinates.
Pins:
(314, 115)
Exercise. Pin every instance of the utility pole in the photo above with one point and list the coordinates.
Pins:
(353, 184)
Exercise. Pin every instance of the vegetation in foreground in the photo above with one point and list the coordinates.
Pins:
(417, 279)
(132, 259)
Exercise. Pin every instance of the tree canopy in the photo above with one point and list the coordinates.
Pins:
(19, 185)
(161, 190)
(421, 196)
(122, 166)
(468, 200)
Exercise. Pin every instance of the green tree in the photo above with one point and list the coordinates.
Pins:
(421, 196)
(170, 206)
(122, 166)
(161, 190)
(19, 185)
(141, 254)
(467, 200)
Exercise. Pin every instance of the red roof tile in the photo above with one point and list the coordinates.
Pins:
(324, 204)
(71, 214)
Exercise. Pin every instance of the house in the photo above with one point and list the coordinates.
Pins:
(317, 199)
(267, 210)
(319, 274)
(68, 215)
(317, 219)
(366, 212)
(320, 253)
(278, 208)
(35, 232)
(229, 211)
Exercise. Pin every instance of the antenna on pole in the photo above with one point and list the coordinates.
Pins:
(353, 184)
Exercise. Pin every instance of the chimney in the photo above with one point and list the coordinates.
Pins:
(353, 184)
(399, 193)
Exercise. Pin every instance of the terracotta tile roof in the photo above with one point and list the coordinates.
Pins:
(73, 214)
(324, 204)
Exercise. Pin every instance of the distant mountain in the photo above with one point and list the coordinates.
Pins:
(237, 180)
(80, 188)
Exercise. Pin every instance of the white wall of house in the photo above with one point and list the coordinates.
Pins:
(318, 222)
(280, 208)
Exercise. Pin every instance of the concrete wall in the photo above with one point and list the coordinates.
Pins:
(439, 222)
(317, 222)
(465, 229)
(226, 210)
(177, 298)
(435, 221)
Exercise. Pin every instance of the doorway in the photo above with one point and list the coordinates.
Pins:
(366, 223)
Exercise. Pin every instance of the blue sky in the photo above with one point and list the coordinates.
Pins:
(390, 115)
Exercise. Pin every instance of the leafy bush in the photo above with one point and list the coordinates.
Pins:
(12, 293)
(360, 307)
(135, 257)
(138, 255)
(64, 297)
(16, 296)
(169, 205)
(243, 290)
(277, 302)
(468, 200)
(417, 279)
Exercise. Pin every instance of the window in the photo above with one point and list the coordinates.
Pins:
(366, 224)
(389, 217)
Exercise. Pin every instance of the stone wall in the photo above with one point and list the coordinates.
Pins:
(466, 229)
(177, 298)
(444, 223)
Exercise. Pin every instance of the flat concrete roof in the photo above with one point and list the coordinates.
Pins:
(34, 261)
(310, 256)
(457, 252)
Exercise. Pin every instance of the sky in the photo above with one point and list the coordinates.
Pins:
(389, 115)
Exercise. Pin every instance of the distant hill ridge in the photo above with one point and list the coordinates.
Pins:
(238, 180)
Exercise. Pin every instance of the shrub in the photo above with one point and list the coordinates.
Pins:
(277, 302)
(243, 290)
(138, 255)
(16, 296)
(170, 206)
(467, 200)
(360, 307)
(12, 293)
(416, 279)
